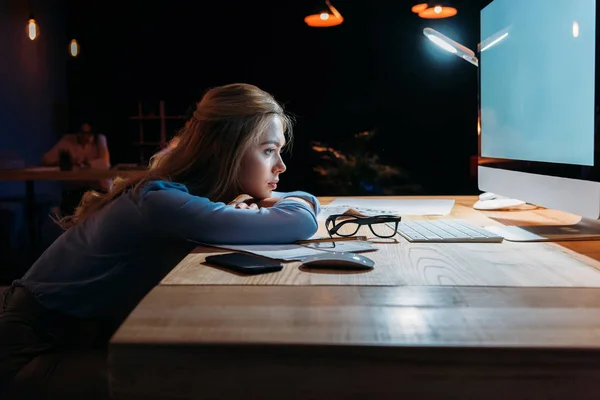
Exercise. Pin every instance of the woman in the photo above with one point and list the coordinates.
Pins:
(118, 245)
(84, 149)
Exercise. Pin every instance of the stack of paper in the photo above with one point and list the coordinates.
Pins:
(300, 251)
(392, 207)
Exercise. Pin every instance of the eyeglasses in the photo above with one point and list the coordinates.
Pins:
(378, 224)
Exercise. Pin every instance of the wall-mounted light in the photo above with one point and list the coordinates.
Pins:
(74, 48)
(33, 31)
(436, 11)
(325, 17)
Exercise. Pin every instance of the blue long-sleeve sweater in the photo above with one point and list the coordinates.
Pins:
(103, 266)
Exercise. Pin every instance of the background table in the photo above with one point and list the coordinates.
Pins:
(30, 175)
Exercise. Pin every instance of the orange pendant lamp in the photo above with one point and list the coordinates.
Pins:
(325, 17)
(436, 11)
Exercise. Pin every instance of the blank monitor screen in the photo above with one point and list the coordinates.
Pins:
(537, 80)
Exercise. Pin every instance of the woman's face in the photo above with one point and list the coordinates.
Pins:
(85, 133)
(262, 164)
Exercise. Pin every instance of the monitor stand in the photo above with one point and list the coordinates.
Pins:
(585, 229)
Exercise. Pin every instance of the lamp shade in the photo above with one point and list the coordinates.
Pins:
(451, 46)
(417, 8)
(438, 12)
(326, 17)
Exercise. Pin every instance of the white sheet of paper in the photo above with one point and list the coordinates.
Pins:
(298, 252)
(392, 207)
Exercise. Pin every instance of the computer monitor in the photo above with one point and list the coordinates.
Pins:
(537, 107)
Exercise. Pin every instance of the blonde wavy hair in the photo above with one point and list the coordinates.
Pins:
(206, 154)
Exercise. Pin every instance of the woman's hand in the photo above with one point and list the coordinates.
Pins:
(245, 206)
(252, 204)
(268, 202)
(244, 201)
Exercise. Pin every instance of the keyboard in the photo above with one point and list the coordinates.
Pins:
(446, 231)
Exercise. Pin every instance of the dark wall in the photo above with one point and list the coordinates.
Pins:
(375, 71)
(32, 98)
(32, 77)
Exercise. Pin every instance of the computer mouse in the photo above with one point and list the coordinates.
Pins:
(338, 260)
(497, 204)
(487, 196)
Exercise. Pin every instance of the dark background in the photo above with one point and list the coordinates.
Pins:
(376, 72)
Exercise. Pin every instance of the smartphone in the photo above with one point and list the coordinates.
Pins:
(245, 263)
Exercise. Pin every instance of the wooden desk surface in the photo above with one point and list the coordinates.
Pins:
(55, 174)
(432, 339)
(344, 342)
(446, 264)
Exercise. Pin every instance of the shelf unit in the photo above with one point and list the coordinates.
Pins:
(150, 145)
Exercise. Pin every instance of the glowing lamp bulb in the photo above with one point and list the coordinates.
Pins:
(73, 48)
(32, 29)
(444, 45)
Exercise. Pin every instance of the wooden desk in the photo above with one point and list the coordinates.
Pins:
(447, 264)
(518, 321)
(30, 175)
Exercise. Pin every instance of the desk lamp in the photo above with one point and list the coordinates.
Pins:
(487, 201)
(461, 51)
(451, 46)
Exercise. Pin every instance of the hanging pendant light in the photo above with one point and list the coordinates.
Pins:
(417, 8)
(325, 17)
(436, 11)
(33, 31)
(73, 48)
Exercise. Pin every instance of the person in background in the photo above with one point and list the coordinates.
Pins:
(118, 245)
(85, 149)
